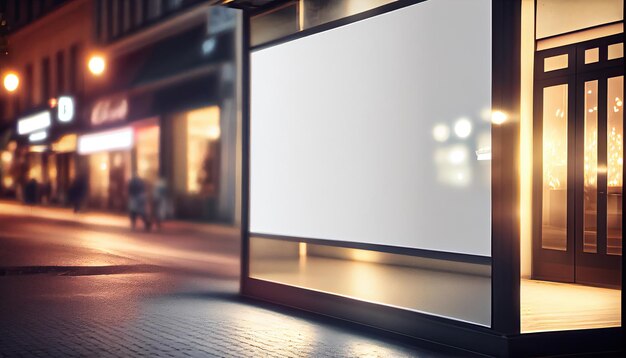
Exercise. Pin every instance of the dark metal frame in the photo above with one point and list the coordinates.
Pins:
(503, 338)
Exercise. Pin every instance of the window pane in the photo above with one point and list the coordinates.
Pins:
(592, 55)
(580, 15)
(615, 51)
(615, 150)
(148, 153)
(445, 288)
(555, 63)
(590, 203)
(203, 133)
(554, 206)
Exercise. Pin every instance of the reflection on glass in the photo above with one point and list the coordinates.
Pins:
(590, 203)
(554, 206)
(615, 148)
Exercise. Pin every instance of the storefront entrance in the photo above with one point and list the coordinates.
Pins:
(578, 151)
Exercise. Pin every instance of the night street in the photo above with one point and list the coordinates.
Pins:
(154, 294)
(312, 178)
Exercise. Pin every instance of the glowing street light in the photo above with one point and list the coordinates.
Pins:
(96, 65)
(11, 82)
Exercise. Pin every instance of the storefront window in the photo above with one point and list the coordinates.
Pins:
(99, 174)
(203, 133)
(148, 153)
(35, 167)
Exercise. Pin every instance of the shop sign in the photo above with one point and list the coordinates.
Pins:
(119, 139)
(34, 123)
(65, 109)
(109, 110)
(38, 136)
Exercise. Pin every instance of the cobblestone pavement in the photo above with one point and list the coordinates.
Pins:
(166, 315)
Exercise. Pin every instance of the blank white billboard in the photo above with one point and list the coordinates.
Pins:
(377, 131)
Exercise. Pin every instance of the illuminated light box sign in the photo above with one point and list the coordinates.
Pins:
(38, 136)
(65, 109)
(378, 131)
(34, 123)
(119, 139)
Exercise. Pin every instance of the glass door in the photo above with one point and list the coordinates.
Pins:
(578, 155)
(599, 170)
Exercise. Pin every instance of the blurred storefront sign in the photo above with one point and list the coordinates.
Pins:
(118, 139)
(34, 123)
(109, 110)
(65, 109)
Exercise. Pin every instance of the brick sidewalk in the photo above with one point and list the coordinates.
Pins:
(160, 315)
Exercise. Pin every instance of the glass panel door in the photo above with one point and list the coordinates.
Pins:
(599, 137)
(578, 166)
(615, 162)
(590, 193)
(554, 208)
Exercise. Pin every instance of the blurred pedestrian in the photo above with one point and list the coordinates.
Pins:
(30, 192)
(159, 202)
(77, 192)
(137, 202)
(45, 192)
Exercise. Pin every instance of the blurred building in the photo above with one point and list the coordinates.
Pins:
(168, 85)
(157, 100)
(43, 48)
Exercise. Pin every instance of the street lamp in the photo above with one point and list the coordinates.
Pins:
(11, 82)
(96, 65)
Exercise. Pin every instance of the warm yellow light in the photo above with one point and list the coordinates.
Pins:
(7, 156)
(65, 144)
(498, 117)
(8, 182)
(214, 132)
(38, 148)
(11, 82)
(302, 249)
(96, 65)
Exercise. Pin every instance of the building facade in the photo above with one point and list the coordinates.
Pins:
(46, 42)
(169, 84)
(156, 101)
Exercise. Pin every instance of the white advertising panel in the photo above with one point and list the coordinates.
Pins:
(377, 131)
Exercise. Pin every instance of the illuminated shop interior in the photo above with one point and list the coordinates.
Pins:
(572, 164)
